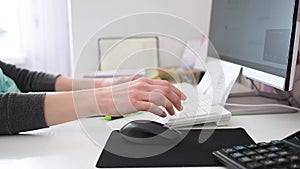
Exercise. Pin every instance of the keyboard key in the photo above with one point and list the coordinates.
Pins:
(282, 161)
(258, 157)
(228, 150)
(277, 143)
(252, 146)
(271, 155)
(245, 160)
(294, 166)
(283, 153)
(240, 148)
(294, 159)
(261, 151)
(255, 165)
(263, 145)
(249, 153)
(274, 149)
(269, 163)
(236, 155)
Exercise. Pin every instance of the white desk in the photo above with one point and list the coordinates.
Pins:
(69, 146)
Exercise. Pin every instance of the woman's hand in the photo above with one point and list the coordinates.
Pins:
(142, 94)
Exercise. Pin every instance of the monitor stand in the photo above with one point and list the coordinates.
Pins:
(256, 97)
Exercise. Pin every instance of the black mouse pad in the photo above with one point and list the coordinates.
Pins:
(187, 153)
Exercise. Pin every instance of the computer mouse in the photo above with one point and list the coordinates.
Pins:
(149, 132)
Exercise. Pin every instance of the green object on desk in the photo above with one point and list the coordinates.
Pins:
(106, 118)
(109, 118)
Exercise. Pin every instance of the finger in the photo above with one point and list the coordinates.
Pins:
(160, 100)
(151, 107)
(171, 97)
(169, 108)
(179, 93)
(168, 84)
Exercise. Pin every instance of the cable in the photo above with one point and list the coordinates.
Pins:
(262, 105)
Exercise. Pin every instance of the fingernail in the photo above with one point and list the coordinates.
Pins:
(183, 97)
(180, 107)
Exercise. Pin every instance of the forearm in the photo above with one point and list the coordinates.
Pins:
(69, 84)
(63, 107)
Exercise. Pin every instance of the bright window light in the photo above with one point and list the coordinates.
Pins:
(9, 30)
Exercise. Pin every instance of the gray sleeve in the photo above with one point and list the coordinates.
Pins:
(24, 112)
(21, 112)
(29, 81)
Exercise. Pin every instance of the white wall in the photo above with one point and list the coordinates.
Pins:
(88, 16)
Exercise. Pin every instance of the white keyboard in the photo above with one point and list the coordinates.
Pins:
(198, 109)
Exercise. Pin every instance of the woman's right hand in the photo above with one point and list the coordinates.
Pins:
(142, 94)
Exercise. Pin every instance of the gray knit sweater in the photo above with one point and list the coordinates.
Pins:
(24, 111)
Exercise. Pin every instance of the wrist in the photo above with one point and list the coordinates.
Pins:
(85, 103)
(100, 83)
(63, 84)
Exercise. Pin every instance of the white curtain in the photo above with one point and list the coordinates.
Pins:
(45, 35)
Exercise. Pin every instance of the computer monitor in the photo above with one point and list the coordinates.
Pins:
(259, 35)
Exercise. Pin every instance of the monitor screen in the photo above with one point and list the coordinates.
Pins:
(257, 34)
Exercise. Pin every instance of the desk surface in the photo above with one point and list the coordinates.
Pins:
(78, 144)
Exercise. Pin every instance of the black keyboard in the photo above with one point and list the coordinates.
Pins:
(277, 154)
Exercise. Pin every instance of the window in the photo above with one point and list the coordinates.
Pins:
(10, 49)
